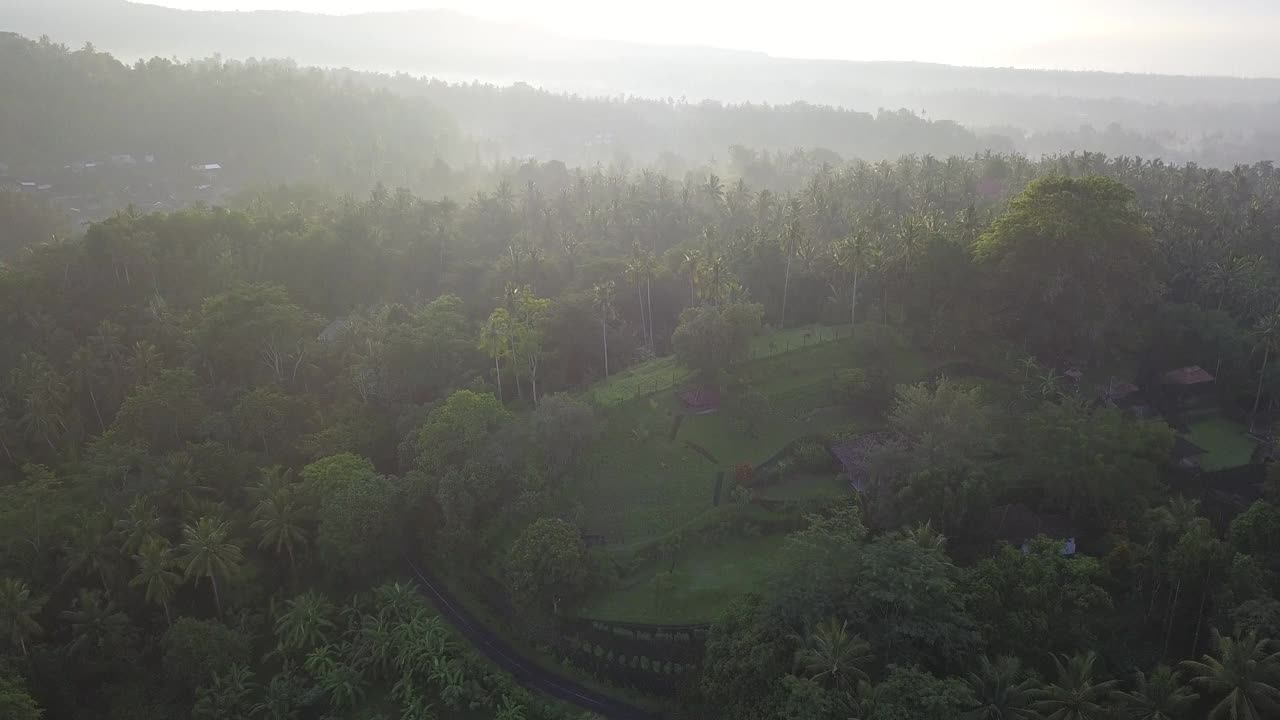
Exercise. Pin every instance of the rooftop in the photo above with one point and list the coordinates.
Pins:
(1190, 375)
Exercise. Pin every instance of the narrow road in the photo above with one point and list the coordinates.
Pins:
(525, 672)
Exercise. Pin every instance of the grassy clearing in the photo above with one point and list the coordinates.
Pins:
(706, 579)
(1225, 440)
(665, 373)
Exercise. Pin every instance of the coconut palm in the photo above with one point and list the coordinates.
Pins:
(495, 340)
(832, 656)
(1075, 694)
(95, 622)
(306, 622)
(18, 611)
(1240, 675)
(1161, 696)
(155, 575)
(789, 242)
(603, 299)
(279, 521)
(139, 526)
(1267, 334)
(207, 552)
(1002, 689)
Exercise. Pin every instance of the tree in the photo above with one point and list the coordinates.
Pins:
(1240, 675)
(15, 703)
(163, 412)
(832, 656)
(1267, 334)
(1160, 696)
(1076, 694)
(207, 552)
(139, 526)
(528, 332)
(1075, 265)
(1002, 689)
(790, 240)
(603, 298)
(96, 624)
(851, 256)
(278, 520)
(18, 611)
(227, 697)
(196, 650)
(155, 576)
(547, 564)
(947, 424)
(710, 338)
(357, 524)
(305, 623)
(495, 340)
(563, 429)
(456, 430)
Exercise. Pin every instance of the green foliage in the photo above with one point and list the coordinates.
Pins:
(852, 385)
(15, 703)
(912, 694)
(1076, 262)
(946, 423)
(812, 456)
(1027, 603)
(547, 565)
(164, 412)
(710, 338)
(197, 650)
(457, 429)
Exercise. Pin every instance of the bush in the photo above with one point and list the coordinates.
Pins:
(811, 456)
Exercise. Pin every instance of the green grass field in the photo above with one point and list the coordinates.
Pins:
(1225, 440)
(665, 373)
(644, 485)
(706, 579)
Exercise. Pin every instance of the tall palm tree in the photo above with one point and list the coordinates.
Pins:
(18, 611)
(1267, 334)
(789, 242)
(139, 526)
(95, 622)
(84, 370)
(1075, 695)
(144, 363)
(93, 552)
(155, 575)
(207, 552)
(1242, 675)
(603, 299)
(1161, 696)
(305, 624)
(279, 520)
(851, 257)
(832, 656)
(495, 341)
(1002, 689)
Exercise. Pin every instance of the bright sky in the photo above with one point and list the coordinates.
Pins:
(1232, 37)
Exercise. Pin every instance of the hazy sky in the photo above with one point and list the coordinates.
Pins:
(1231, 37)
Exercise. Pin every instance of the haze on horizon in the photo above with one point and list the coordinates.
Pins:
(1147, 36)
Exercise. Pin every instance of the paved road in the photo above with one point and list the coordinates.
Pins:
(525, 672)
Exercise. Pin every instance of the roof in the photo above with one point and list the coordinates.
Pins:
(700, 398)
(1190, 375)
(210, 166)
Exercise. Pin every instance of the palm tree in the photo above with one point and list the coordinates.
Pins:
(206, 552)
(925, 536)
(831, 655)
(92, 551)
(144, 363)
(1241, 675)
(1075, 695)
(603, 300)
(227, 698)
(139, 526)
(84, 369)
(95, 621)
(851, 257)
(155, 576)
(495, 341)
(18, 610)
(1002, 689)
(1267, 332)
(1162, 696)
(692, 266)
(789, 241)
(305, 624)
(279, 521)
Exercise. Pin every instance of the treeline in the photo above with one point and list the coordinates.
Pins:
(217, 419)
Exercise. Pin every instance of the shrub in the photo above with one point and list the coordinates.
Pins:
(811, 456)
